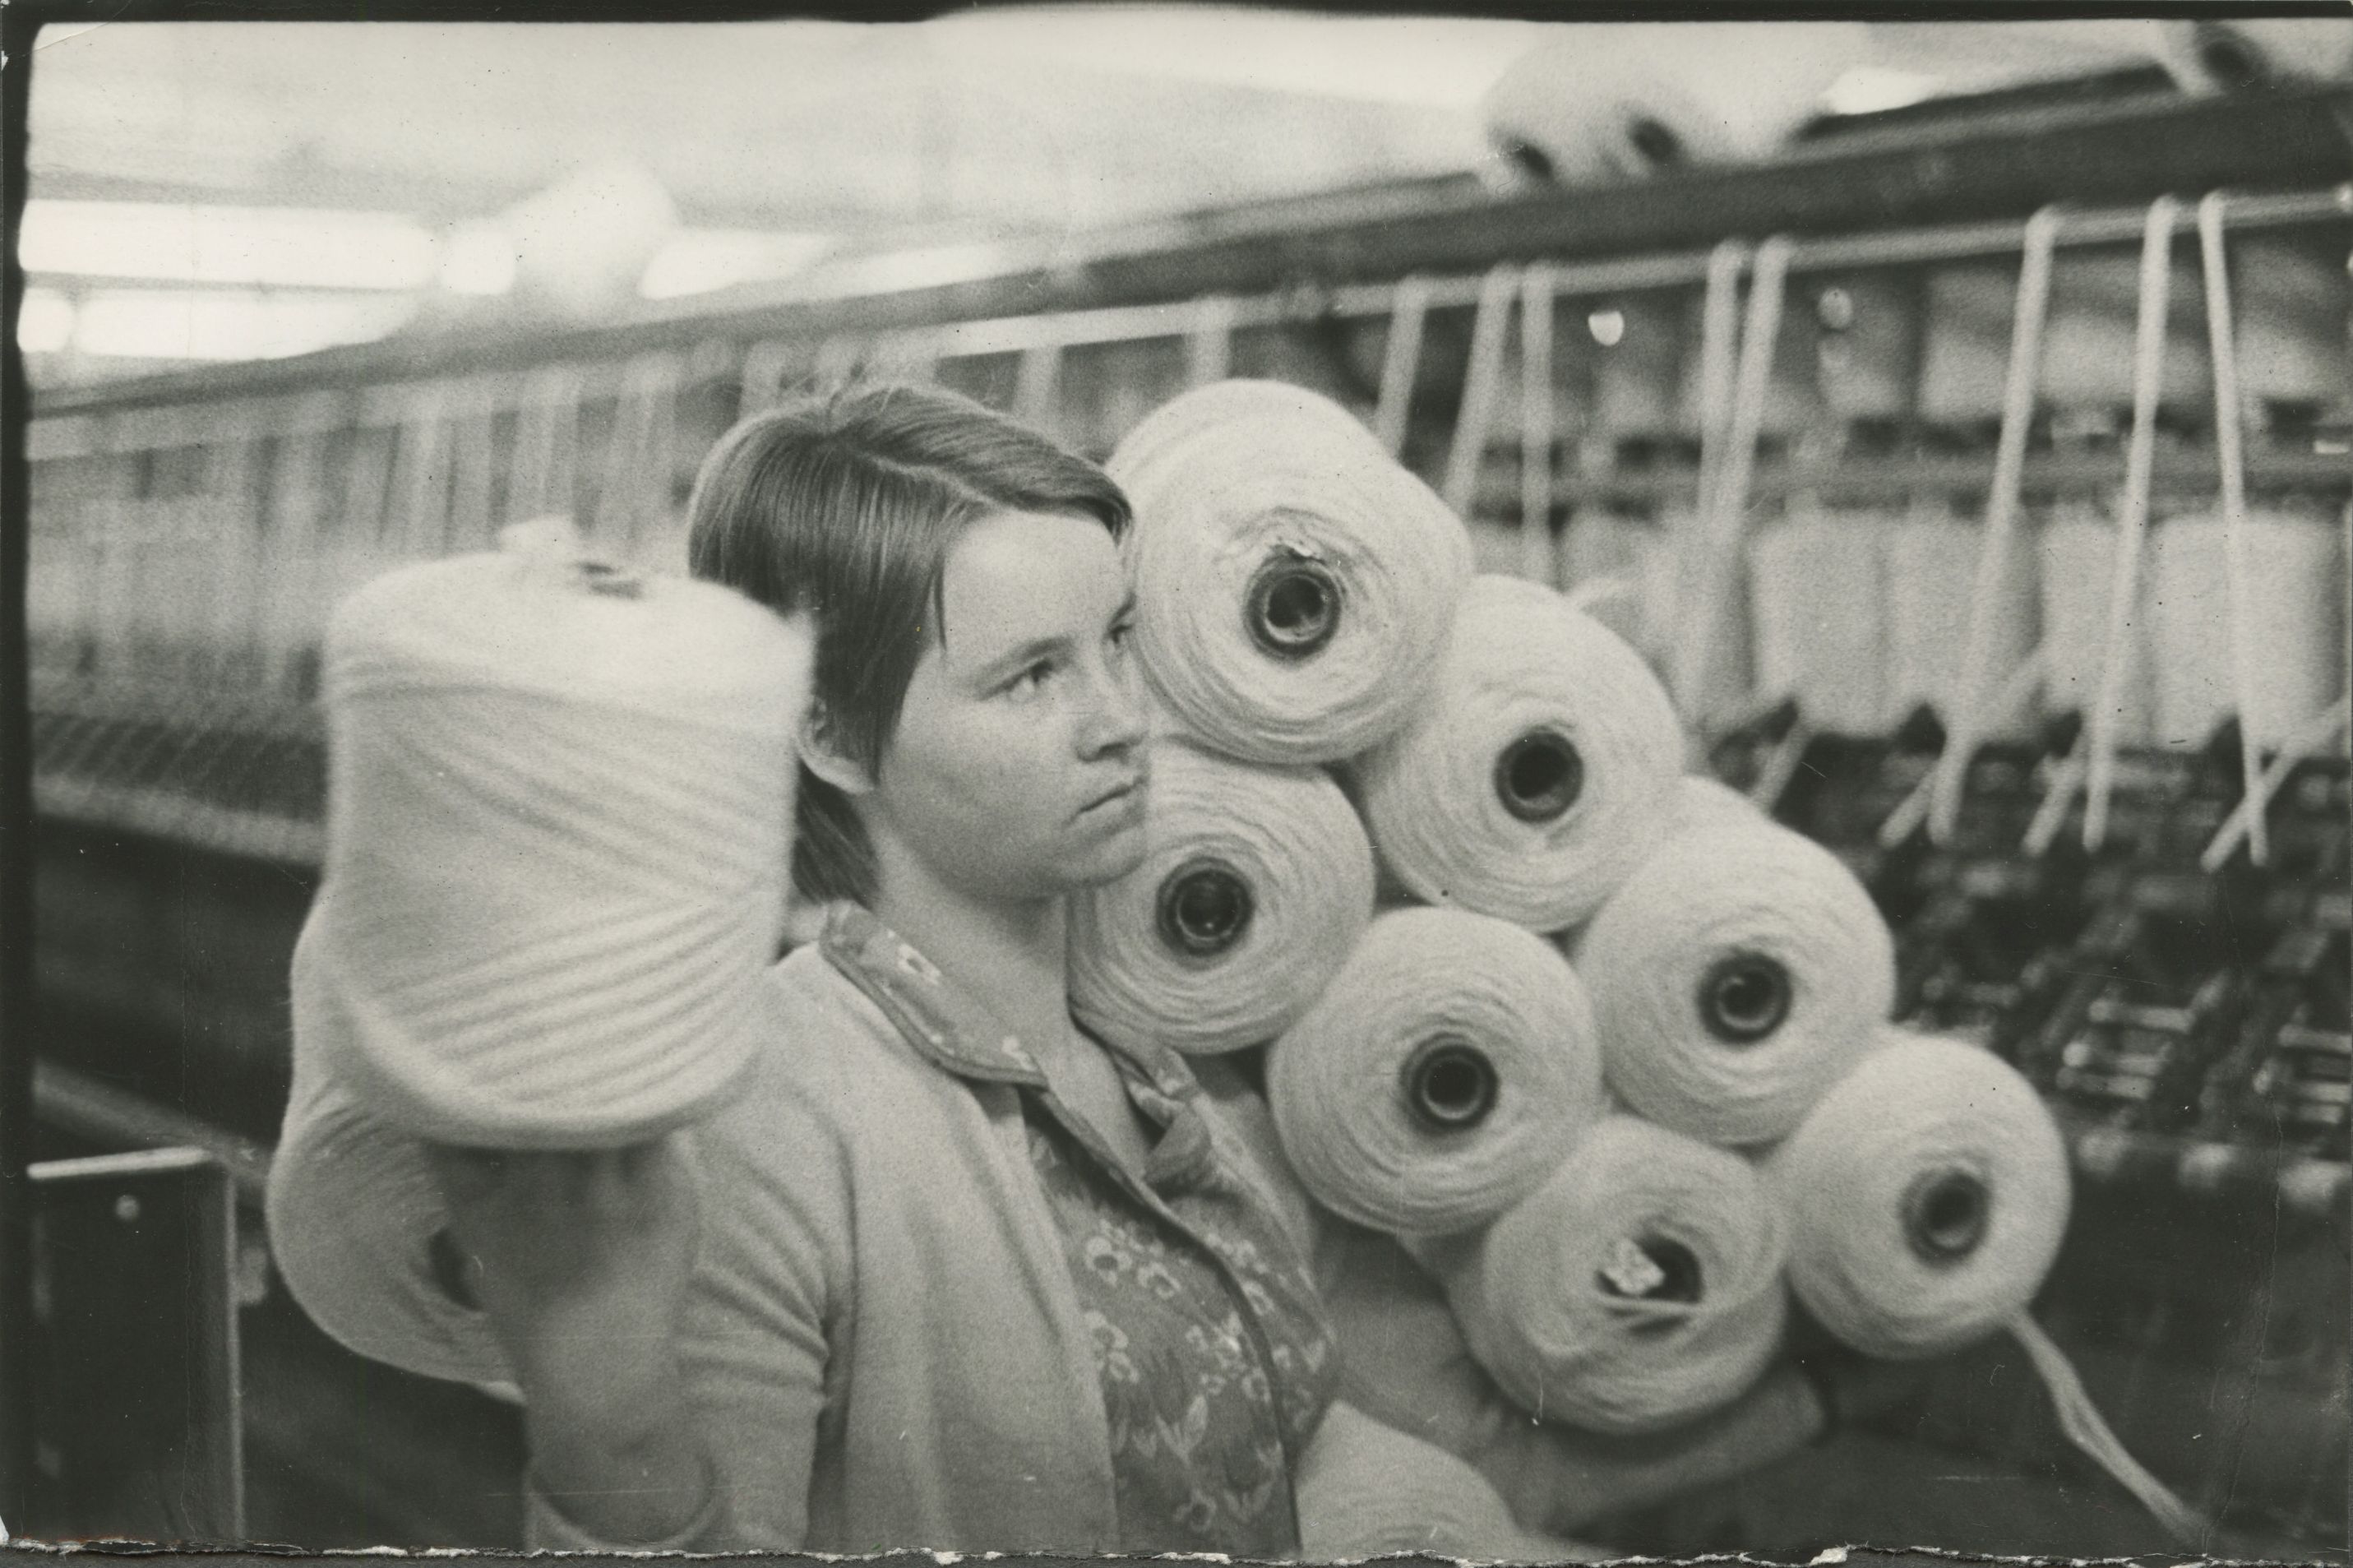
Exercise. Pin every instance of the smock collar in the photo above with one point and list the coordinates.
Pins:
(954, 1031)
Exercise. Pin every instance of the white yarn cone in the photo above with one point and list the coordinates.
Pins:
(559, 820)
(1254, 889)
(1639, 1287)
(1818, 594)
(1535, 775)
(1928, 1195)
(1295, 581)
(1449, 1067)
(2078, 549)
(1631, 100)
(1735, 977)
(1932, 565)
(2296, 636)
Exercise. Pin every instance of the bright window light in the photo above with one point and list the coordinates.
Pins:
(1866, 90)
(281, 247)
(183, 323)
(479, 259)
(1607, 327)
(45, 322)
(700, 260)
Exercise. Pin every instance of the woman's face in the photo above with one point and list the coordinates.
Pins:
(1017, 769)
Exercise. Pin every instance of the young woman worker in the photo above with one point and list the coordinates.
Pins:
(951, 1273)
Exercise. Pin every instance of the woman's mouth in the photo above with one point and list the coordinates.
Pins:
(1126, 795)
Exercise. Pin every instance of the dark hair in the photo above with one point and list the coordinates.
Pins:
(845, 504)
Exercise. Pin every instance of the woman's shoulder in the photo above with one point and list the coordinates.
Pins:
(826, 1081)
(820, 1036)
(827, 1055)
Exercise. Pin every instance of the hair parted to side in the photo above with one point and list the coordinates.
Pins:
(845, 504)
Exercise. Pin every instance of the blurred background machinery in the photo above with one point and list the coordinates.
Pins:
(1620, 332)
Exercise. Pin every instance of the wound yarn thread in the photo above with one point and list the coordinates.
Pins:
(1927, 1196)
(1445, 1070)
(2077, 546)
(1931, 562)
(1818, 589)
(558, 826)
(1928, 1193)
(1639, 1287)
(1538, 770)
(2296, 649)
(1255, 884)
(1295, 581)
(1735, 976)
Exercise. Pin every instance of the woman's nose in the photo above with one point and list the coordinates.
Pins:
(1115, 718)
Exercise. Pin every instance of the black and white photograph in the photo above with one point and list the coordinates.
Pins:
(1292, 784)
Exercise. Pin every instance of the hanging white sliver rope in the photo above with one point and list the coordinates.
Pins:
(1461, 489)
(2132, 520)
(1721, 520)
(2232, 461)
(2002, 516)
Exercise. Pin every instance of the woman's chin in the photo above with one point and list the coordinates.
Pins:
(1110, 856)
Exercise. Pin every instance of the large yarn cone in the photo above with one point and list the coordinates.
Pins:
(1927, 1196)
(1295, 581)
(1254, 887)
(558, 826)
(1537, 772)
(1638, 1287)
(1448, 1067)
(1735, 976)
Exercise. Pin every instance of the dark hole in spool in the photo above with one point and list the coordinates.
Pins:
(1660, 147)
(1945, 1215)
(1744, 997)
(1292, 608)
(1449, 1083)
(1540, 776)
(1679, 1274)
(1204, 907)
(2229, 61)
(1528, 158)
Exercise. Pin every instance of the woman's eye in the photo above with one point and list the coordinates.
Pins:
(1033, 678)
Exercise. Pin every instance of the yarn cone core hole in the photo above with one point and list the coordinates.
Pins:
(1540, 776)
(1450, 1085)
(1945, 1213)
(614, 582)
(1744, 997)
(1652, 1268)
(1292, 606)
(1205, 907)
(2231, 62)
(1656, 141)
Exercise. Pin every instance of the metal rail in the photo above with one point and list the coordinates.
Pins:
(1997, 167)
